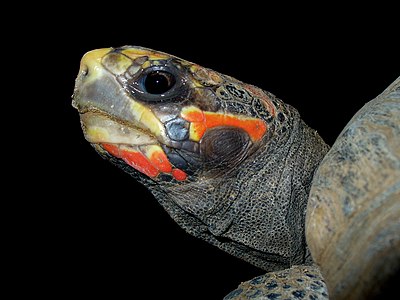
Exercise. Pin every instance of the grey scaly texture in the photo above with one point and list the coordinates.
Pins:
(257, 212)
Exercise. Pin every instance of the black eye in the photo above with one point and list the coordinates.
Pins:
(159, 82)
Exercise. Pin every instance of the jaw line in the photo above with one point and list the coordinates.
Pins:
(101, 129)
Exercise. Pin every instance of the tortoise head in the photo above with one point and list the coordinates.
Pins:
(198, 139)
(170, 120)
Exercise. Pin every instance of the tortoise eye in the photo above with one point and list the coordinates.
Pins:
(159, 82)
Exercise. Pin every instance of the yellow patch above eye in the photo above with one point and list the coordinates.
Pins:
(200, 121)
(146, 65)
(134, 53)
(116, 63)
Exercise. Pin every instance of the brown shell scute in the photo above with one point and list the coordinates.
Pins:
(353, 214)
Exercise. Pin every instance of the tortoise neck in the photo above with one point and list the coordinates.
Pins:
(269, 211)
(258, 213)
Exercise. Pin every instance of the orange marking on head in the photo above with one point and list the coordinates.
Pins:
(201, 121)
(179, 174)
(112, 149)
(133, 158)
(152, 166)
(197, 130)
(192, 114)
(161, 162)
(140, 162)
(254, 127)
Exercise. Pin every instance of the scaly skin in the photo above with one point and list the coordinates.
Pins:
(230, 163)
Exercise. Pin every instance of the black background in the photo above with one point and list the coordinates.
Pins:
(92, 229)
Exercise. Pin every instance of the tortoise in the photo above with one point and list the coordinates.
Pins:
(235, 166)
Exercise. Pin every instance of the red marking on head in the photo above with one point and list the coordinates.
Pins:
(254, 127)
(161, 162)
(193, 114)
(152, 167)
(179, 174)
(112, 149)
(198, 129)
(201, 121)
(140, 162)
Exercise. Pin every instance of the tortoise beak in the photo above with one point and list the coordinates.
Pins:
(92, 83)
(99, 89)
(113, 120)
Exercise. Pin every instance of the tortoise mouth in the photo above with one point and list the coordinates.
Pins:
(137, 148)
(101, 129)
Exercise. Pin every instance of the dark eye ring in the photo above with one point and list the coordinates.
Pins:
(158, 82)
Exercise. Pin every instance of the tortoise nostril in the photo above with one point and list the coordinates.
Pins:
(91, 62)
(84, 70)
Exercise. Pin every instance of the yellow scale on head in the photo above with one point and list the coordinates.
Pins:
(95, 133)
(92, 61)
(134, 53)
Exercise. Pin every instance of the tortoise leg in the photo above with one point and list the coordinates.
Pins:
(298, 282)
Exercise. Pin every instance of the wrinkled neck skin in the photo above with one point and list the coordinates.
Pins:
(257, 212)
